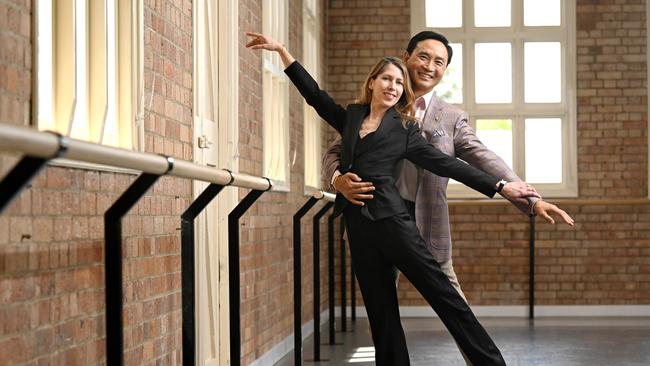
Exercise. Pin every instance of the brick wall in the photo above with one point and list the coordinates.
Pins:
(612, 99)
(601, 261)
(51, 237)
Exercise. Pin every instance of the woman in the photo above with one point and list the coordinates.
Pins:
(377, 133)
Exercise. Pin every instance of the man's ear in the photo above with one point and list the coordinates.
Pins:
(405, 56)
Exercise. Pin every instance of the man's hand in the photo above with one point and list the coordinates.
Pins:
(543, 209)
(353, 189)
(515, 190)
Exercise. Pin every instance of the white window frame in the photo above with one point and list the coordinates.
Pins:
(216, 104)
(275, 126)
(56, 60)
(518, 110)
(312, 124)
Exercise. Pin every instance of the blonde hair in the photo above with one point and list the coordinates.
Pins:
(405, 106)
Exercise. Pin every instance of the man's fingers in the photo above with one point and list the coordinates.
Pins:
(354, 177)
(521, 200)
(568, 219)
(355, 202)
(565, 216)
(531, 192)
(362, 196)
(548, 218)
(361, 184)
(362, 187)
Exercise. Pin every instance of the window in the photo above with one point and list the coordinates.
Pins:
(85, 59)
(312, 124)
(276, 98)
(513, 71)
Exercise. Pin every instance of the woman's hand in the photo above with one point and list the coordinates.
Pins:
(261, 42)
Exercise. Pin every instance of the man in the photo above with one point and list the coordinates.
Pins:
(446, 127)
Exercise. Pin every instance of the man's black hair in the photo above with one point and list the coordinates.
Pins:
(424, 35)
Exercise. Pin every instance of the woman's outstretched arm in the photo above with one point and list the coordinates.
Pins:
(425, 155)
(324, 105)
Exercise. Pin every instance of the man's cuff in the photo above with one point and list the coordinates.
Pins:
(532, 205)
(336, 174)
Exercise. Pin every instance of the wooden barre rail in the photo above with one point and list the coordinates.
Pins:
(47, 145)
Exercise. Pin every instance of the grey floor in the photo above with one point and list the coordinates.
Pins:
(546, 342)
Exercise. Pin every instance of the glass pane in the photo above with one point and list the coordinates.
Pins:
(542, 72)
(450, 88)
(493, 72)
(492, 13)
(80, 128)
(44, 71)
(111, 135)
(544, 150)
(496, 134)
(542, 13)
(444, 13)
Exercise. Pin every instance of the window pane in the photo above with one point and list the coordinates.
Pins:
(496, 134)
(444, 13)
(275, 98)
(542, 13)
(544, 150)
(542, 72)
(312, 125)
(492, 13)
(44, 66)
(80, 128)
(450, 88)
(111, 133)
(493, 72)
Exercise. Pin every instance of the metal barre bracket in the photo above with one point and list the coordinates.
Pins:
(113, 278)
(188, 266)
(25, 170)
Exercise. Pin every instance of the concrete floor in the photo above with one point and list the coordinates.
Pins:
(547, 342)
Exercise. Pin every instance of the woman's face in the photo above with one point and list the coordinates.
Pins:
(387, 87)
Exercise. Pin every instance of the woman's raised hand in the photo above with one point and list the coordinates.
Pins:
(259, 41)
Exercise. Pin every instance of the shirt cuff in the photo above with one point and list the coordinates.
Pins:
(532, 205)
(336, 174)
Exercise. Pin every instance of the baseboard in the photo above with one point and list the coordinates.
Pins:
(276, 353)
(521, 311)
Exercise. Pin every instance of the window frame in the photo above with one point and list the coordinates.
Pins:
(311, 61)
(468, 35)
(275, 24)
(129, 66)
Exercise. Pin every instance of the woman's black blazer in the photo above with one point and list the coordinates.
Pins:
(374, 158)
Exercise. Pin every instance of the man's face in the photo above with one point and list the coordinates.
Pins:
(426, 65)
